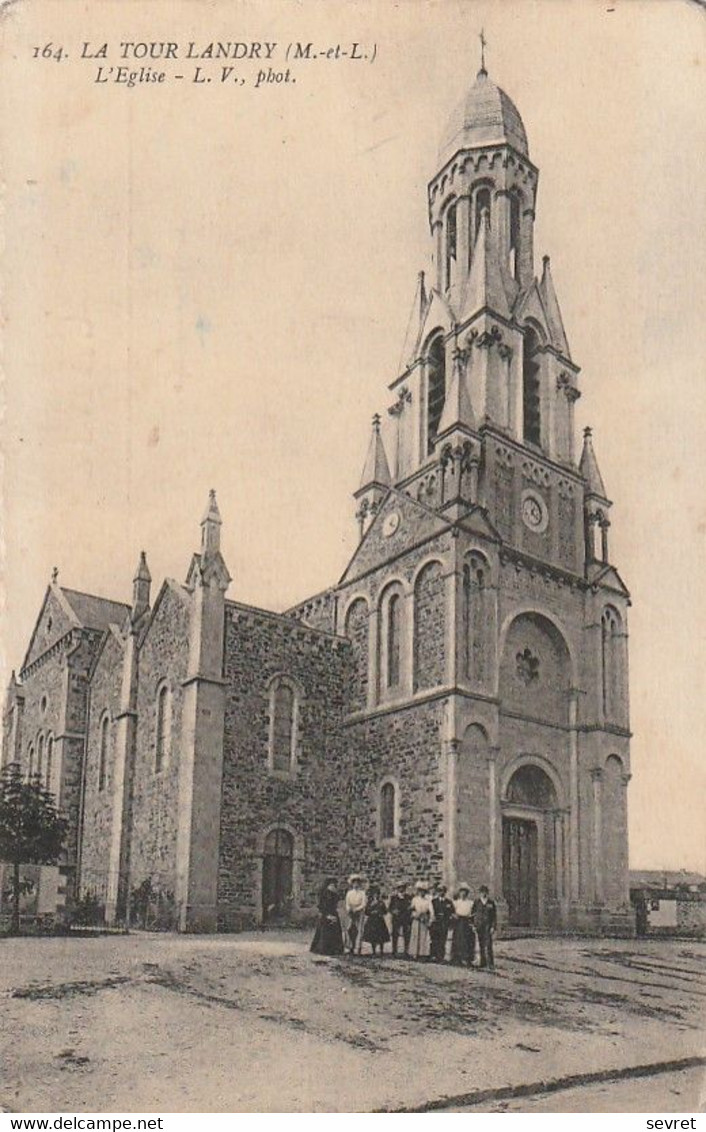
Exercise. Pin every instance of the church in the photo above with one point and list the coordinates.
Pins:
(454, 708)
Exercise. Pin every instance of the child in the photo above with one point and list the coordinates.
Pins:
(401, 913)
(375, 932)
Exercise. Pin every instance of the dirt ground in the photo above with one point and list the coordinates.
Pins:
(661, 1093)
(255, 1023)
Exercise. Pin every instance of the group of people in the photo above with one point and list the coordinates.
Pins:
(416, 923)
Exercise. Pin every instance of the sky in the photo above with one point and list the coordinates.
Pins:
(208, 285)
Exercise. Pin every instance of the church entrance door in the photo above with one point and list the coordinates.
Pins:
(277, 876)
(520, 871)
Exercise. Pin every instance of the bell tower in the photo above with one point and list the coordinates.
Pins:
(486, 347)
(492, 617)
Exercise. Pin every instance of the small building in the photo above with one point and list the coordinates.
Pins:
(669, 903)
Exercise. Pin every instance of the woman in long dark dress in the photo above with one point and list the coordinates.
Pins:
(375, 931)
(328, 937)
(463, 942)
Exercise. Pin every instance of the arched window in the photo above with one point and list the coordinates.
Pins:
(50, 760)
(103, 751)
(388, 812)
(531, 408)
(30, 760)
(40, 756)
(474, 615)
(394, 617)
(451, 242)
(162, 737)
(610, 627)
(614, 833)
(532, 786)
(283, 725)
(514, 262)
(356, 629)
(436, 387)
(482, 204)
(429, 627)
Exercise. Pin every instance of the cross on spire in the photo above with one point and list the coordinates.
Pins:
(483, 45)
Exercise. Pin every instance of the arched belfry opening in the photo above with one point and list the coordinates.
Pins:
(436, 387)
(533, 847)
(531, 391)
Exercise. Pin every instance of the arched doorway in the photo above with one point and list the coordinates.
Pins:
(277, 875)
(531, 845)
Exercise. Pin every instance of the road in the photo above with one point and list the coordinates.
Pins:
(255, 1023)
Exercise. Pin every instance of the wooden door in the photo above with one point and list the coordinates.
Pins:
(277, 877)
(520, 871)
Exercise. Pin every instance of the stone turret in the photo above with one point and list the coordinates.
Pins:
(375, 481)
(140, 590)
(596, 504)
(203, 718)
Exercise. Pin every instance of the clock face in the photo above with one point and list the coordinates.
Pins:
(391, 523)
(534, 512)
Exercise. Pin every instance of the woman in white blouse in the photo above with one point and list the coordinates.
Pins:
(356, 901)
(422, 917)
(463, 941)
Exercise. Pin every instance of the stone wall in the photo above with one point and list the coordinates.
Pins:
(98, 803)
(163, 659)
(404, 746)
(310, 801)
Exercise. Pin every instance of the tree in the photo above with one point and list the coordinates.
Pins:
(31, 829)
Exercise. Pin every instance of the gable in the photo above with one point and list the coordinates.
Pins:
(416, 525)
(476, 522)
(109, 655)
(55, 620)
(531, 308)
(437, 315)
(607, 578)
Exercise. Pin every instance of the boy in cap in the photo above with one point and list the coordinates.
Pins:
(401, 913)
(485, 918)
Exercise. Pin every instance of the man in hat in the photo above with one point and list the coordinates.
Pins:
(401, 914)
(443, 913)
(356, 901)
(485, 918)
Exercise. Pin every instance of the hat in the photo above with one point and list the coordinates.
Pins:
(422, 886)
(463, 887)
(353, 877)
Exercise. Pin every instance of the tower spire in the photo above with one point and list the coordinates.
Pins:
(141, 588)
(483, 45)
(588, 466)
(458, 410)
(211, 526)
(377, 470)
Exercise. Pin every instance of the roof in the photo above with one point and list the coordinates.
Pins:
(664, 878)
(95, 612)
(486, 116)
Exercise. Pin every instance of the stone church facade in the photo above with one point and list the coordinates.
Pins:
(455, 707)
